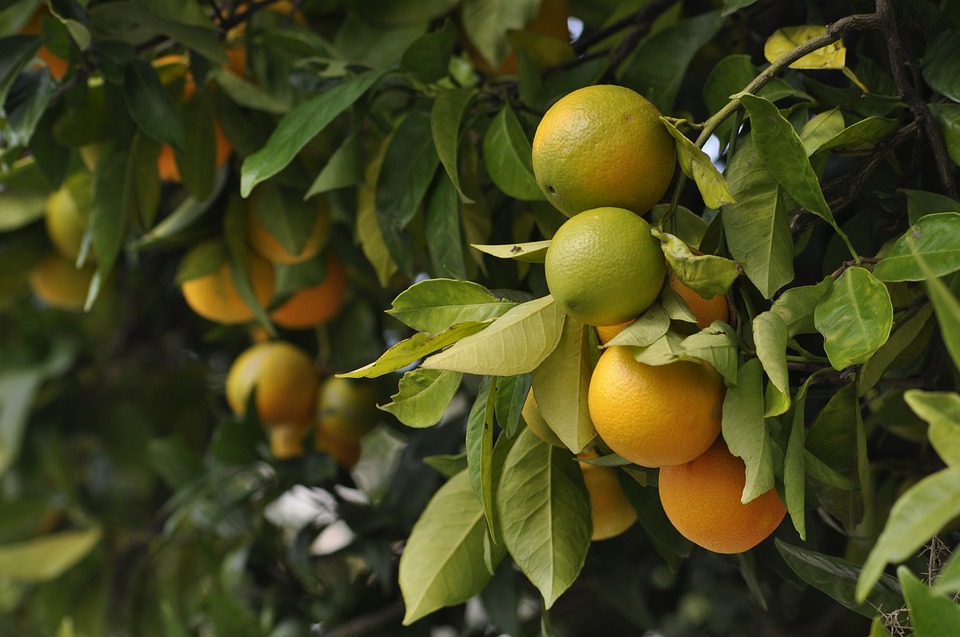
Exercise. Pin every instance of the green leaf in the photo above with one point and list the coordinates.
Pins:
(796, 306)
(820, 129)
(235, 236)
(512, 394)
(533, 252)
(560, 385)
(150, 106)
(23, 193)
(301, 125)
(429, 56)
(414, 348)
(770, 338)
(443, 561)
(26, 104)
(434, 305)
(113, 203)
(756, 228)
(16, 51)
(198, 161)
(47, 557)
(446, 118)
(408, 168)
(941, 65)
(942, 411)
(660, 62)
(514, 343)
(783, 154)
(947, 308)
(479, 446)
(444, 235)
(745, 431)
(697, 165)
(948, 117)
(855, 317)
(705, 274)
(862, 135)
(645, 330)
(934, 239)
(507, 154)
(182, 217)
(544, 514)
(486, 23)
(949, 581)
(794, 469)
(905, 335)
(663, 351)
(423, 396)
(921, 203)
(786, 39)
(917, 515)
(368, 228)
(732, 6)
(931, 614)
(837, 578)
(343, 169)
(716, 345)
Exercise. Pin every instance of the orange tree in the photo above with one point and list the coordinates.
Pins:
(358, 182)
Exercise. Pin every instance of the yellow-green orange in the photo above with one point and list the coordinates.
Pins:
(58, 282)
(283, 378)
(655, 415)
(603, 145)
(611, 511)
(67, 214)
(604, 266)
(535, 422)
(347, 408)
(705, 310)
(702, 499)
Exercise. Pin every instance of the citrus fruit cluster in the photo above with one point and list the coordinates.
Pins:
(280, 383)
(603, 158)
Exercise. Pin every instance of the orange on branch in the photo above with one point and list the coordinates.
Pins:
(314, 305)
(283, 379)
(611, 511)
(215, 297)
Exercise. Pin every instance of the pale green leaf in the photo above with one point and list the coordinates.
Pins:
(697, 165)
(533, 252)
(745, 431)
(434, 305)
(770, 338)
(645, 330)
(663, 351)
(942, 411)
(486, 23)
(855, 317)
(934, 238)
(862, 135)
(796, 306)
(932, 614)
(423, 396)
(47, 557)
(705, 274)
(716, 345)
(479, 446)
(514, 343)
(368, 227)
(821, 128)
(947, 307)
(785, 40)
(794, 469)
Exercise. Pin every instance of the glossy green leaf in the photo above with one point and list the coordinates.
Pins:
(941, 66)
(645, 330)
(47, 557)
(948, 117)
(515, 343)
(745, 431)
(915, 517)
(414, 348)
(560, 386)
(794, 469)
(820, 129)
(837, 578)
(408, 168)
(756, 227)
(507, 155)
(533, 252)
(113, 203)
(150, 106)
(697, 165)
(479, 446)
(434, 305)
(444, 233)
(446, 119)
(423, 396)
(941, 410)
(26, 104)
(855, 317)
(343, 169)
(299, 126)
(545, 514)
(770, 338)
(796, 306)
(782, 152)
(931, 614)
(905, 336)
(429, 56)
(933, 238)
(862, 135)
(443, 561)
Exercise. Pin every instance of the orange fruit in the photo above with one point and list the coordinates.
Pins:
(67, 215)
(267, 246)
(654, 415)
(705, 310)
(551, 20)
(536, 423)
(604, 267)
(167, 160)
(607, 332)
(345, 453)
(702, 500)
(603, 145)
(346, 409)
(214, 296)
(286, 440)
(612, 513)
(57, 65)
(58, 282)
(316, 304)
(284, 379)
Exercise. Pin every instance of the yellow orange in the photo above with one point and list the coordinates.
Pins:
(612, 513)
(270, 248)
(214, 296)
(536, 423)
(67, 215)
(167, 160)
(286, 440)
(705, 310)
(57, 65)
(603, 145)
(702, 499)
(607, 332)
(316, 304)
(283, 378)
(59, 283)
(655, 415)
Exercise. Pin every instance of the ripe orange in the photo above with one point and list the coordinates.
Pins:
(57, 65)
(536, 423)
(58, 282)
(284, 379)
(604, 266)
(705, 310)
(611, 511)
(346, 409)
(286, 440)
(67, 215)
(167, 161)
(270, 248)
(654, 415)
(702, 500)
(317, 304)
(607, 332)
(603, 145)
(214, 296)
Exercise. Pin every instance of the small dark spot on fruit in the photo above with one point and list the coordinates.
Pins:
(552, 190)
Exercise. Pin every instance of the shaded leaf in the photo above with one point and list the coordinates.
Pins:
(479, 446)
(444, 235)
(150, 106)
(508, 156)
(931, 614)
(446, 119)
(423, 396)
(941, 63)
(434, 305)
(645, 330)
